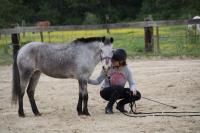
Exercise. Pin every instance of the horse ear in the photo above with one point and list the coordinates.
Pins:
(103, 39)
(111, 40)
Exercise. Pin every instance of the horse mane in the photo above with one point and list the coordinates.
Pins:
(89, 39)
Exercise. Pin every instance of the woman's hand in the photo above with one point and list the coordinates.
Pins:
(134, 93)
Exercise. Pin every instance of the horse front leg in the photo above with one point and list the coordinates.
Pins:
(79, 106)
(83, 98)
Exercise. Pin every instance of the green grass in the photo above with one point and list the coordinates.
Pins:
(173, 41)
(5, 54)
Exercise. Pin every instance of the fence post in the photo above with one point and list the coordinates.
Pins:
(16, 46)
(148, 34)
(41, 36)
(195, 34)
(157, 40)
(49, 36)
(15, 43)
(23, 25)
(186, 34)
(107, 22)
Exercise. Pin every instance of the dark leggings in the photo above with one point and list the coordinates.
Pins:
(112, 94)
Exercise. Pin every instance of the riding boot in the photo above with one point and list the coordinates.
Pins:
(121, 104)
(108, 110)
(109, 107)
(128, 98)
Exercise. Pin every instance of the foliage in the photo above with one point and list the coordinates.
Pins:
(68, 12)
(173, 9)
(91, 19)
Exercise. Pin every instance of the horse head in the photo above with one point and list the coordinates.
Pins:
(106, 52)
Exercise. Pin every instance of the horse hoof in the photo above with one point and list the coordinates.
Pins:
(38, 114)
(22, 115)
(80, 113)
(86, 113)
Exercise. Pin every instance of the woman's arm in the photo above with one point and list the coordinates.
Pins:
(131, 81)
(98, 80)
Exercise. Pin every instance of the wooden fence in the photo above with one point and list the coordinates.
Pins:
(19, 29)
(147, 25)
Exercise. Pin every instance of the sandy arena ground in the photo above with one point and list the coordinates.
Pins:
(174, 82)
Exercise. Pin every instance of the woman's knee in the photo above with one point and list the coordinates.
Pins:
(104, 95)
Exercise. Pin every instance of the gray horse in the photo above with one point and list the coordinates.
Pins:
(76, 60)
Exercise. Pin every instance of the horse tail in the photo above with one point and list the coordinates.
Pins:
(16, 89)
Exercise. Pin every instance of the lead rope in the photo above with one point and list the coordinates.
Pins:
(153, 114)
(133, 111)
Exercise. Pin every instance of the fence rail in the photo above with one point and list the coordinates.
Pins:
(100, 26)
(153, 35)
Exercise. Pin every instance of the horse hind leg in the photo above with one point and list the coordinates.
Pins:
(24, 80)
(31, 91)
(20, 102)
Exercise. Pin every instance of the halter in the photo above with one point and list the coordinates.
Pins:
(107, 58)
